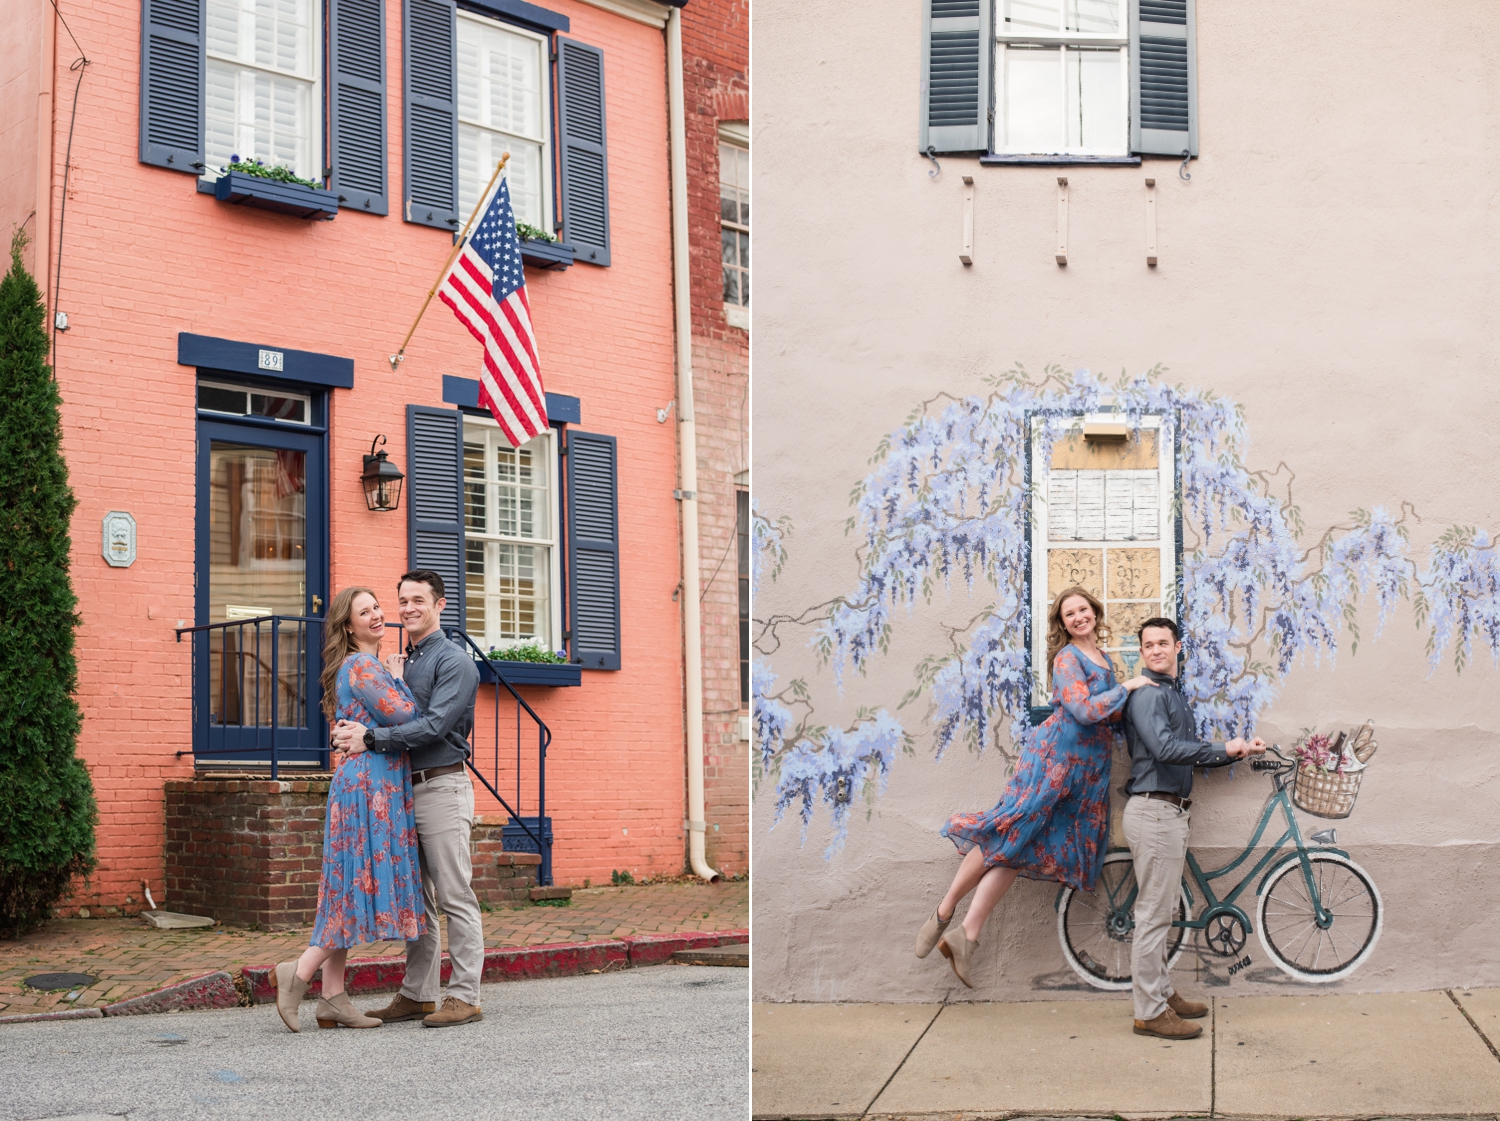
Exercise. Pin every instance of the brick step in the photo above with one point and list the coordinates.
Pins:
(538, 894)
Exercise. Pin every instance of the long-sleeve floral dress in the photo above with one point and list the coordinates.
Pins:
(371, 888)
(1052, 821)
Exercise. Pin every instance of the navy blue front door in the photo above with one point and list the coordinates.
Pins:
(262, 587)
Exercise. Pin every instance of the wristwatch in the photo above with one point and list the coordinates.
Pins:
(369, 738)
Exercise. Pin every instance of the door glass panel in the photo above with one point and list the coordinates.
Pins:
(257, 568)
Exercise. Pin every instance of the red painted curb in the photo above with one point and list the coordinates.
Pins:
(212, 990)
(562, 959)
(657, 949)
(65, 1014)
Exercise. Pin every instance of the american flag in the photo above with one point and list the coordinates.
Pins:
(486, 288)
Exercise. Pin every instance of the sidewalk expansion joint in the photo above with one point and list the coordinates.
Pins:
(1477, 1030)
(865, 1112)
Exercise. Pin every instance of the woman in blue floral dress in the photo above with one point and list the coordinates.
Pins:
(1052, 821)
(371, 887)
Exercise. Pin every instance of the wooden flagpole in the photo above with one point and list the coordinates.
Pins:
(397, 358)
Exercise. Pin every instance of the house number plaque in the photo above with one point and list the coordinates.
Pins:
(119, 539)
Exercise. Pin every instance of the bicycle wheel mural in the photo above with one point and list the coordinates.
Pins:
(985, 495)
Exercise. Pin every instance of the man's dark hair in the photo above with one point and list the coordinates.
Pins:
(424, 576)
(1169, 624)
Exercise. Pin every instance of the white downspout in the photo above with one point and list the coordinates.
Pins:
(46, 137)
(687, 437)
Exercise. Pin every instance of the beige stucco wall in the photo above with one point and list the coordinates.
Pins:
(1332, 265)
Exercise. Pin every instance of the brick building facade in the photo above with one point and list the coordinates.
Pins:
(716, 57)
(171, 292)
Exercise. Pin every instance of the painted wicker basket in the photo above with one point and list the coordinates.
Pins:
(1325, 794)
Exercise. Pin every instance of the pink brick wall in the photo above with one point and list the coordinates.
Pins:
(147, 257)
(716, 48)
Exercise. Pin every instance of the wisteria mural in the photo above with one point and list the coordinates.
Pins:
(947, 504)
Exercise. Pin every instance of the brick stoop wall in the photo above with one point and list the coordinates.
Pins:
(247, 851)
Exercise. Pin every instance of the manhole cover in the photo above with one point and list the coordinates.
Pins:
(54, 981)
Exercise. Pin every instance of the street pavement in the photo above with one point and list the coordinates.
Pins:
(1375, 1055)
(659, 1044)
(130, 958)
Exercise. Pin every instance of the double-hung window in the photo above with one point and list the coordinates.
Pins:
(1058, 81)
(262, 85)
(734, 222)
(510, 538)
(1063, 68)
(502, 107)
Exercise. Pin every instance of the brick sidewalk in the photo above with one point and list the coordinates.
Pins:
(129, 958)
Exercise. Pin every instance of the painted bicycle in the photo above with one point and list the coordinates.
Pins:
(1317, 913)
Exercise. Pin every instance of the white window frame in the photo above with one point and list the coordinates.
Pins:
(316, 108)
(1062, 39)
(544, 69)
(1041, 545)
(553, 615)
(733, 134)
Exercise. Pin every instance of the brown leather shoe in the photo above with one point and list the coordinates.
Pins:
(339, 1012)
(1187, 1009)
(403, 1008)
(1168, 1025)
(290, 990)
(453, 1011)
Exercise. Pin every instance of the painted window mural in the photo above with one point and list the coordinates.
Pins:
(1103, 518)
(955, 502)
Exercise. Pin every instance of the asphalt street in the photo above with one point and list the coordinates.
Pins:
(662, 1043)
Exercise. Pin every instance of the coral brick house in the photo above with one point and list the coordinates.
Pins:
(223, 347)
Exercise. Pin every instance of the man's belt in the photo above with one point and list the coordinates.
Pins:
(433, 772)
(1163, 796)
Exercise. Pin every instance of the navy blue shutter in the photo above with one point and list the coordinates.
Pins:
(430, 89)
(434, 505)
(584, 158)
(594, 550)
(172, 84)
(356, 32)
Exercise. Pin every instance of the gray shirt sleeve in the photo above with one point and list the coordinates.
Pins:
(1153, 726)
(453, 685)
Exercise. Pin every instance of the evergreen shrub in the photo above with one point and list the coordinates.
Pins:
(47, 808)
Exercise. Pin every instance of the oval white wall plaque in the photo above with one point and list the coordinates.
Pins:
(119, 539)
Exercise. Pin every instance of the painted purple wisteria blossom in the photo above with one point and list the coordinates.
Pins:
(948, 503)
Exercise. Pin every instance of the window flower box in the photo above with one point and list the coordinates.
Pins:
(531, 673)
(546, 254)
(268, 194)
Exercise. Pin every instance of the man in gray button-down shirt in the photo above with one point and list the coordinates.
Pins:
(1164, 749)
(443, 679)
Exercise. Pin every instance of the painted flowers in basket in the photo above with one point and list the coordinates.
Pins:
(1329, 770)
(1316, 753)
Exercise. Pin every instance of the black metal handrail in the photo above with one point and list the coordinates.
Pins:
(540, 837)
(303, 695)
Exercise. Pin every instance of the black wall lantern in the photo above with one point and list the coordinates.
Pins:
(382, 479)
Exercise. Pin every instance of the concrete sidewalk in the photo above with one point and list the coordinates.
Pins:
(129, 958)
(1423, 1054)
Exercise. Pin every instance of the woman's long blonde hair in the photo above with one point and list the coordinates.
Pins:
(338, 643)
(1057, 634)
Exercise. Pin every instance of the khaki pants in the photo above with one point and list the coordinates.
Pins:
(445, 819)
(1157, 832)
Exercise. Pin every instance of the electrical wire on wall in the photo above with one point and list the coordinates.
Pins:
(80, 64)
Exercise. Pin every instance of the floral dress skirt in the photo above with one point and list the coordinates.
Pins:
(1052, 821)
(371, 886)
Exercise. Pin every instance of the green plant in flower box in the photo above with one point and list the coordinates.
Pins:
(527, 652)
